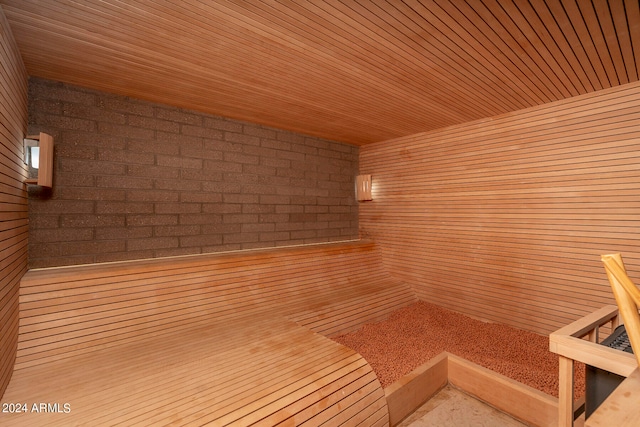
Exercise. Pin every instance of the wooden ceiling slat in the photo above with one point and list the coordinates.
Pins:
(341, 74)
(623, 37)
(323, 4)
(266, 37)
(505, 13)
(578, 35)
(588, 15)
(487, 53)
(539, 47)
(170, 75)
(150, 71)
(633, 21)
(113, 47)
(536, 31)
(611, 37)
(471, 66)
(488, 59)
(492, 33)
(388, 100)
(449, 102)
(562, 35)
(418, 49)
(355, 71)
(323, 40)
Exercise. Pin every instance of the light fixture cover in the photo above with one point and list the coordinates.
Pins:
(38, 156)
(363, 188)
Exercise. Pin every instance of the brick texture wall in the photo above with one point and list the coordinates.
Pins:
(133, 179)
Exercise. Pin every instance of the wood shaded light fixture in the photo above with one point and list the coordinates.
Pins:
(363, 188)
(38, 156)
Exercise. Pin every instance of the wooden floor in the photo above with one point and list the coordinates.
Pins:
(287, 374)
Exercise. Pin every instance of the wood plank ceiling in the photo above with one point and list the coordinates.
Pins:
(352, 71)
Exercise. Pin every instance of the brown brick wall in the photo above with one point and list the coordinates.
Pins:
(133, 179)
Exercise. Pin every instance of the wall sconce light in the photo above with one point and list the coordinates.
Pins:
(38, 156)
(363, 188)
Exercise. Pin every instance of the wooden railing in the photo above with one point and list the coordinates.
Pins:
(579, 341)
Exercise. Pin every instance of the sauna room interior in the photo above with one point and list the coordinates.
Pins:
(318, 212)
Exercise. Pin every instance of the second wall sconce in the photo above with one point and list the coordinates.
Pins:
(38, 156)
(363, 188)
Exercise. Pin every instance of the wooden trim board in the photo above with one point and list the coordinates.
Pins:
(578, 341)
(505, 394)
(411, 391)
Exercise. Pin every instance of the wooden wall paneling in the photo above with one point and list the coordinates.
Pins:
(9, 330)
(13, 197)
(542, 119)
(504, 219)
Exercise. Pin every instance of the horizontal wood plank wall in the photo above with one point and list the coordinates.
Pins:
(331, 288)
(13, 196)
(504, 219)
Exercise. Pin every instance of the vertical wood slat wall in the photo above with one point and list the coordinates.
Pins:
(504, 219)
(13, 198)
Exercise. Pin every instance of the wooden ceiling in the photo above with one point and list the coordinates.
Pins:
(352, 71)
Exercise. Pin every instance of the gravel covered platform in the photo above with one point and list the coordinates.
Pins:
(413, 335)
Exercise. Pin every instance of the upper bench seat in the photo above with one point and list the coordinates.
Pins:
(220, 339)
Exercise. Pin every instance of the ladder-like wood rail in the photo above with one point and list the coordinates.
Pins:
(578, 341)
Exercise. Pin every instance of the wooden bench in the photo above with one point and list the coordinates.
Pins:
(220, 339)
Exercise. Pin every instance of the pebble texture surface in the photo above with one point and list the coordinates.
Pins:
(415, 334)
